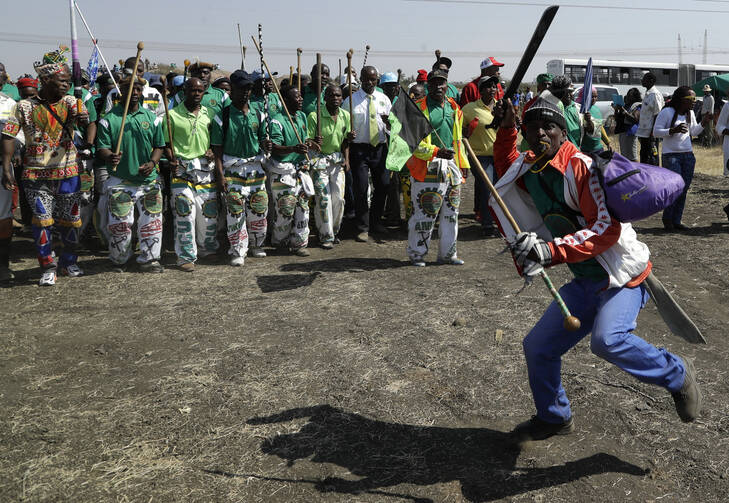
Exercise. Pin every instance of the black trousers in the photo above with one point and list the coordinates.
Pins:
(649, 151)
(367, 160)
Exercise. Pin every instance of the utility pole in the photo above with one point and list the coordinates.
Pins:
(706, 49)
(680, 57)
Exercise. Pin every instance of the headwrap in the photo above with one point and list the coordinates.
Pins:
(127, 78)
(52, 62)
(422, 76)
(27, 81)
(197, 65)
(545, 110)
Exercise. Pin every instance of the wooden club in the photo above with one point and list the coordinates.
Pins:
(140, 46)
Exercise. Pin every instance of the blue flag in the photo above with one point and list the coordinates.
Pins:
(587, 89)
(93, 68)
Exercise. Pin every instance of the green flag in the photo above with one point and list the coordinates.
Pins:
(408, 127)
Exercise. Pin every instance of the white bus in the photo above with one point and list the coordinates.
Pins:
(627, 74)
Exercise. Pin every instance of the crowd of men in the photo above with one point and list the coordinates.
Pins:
(254, 158)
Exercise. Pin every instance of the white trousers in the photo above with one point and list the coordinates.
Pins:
(195, 207)
(328, 177)
(246, 204)
(123, 197)
(436, 198)
(290, 212)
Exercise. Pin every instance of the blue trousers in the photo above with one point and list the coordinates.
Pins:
(682, 163)
(611, 317)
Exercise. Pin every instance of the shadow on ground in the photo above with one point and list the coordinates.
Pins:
(383, 455)
(345, 264)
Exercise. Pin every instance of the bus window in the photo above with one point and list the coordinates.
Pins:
(636, 75)
(619, 75)
(600, 75)
(663, 77)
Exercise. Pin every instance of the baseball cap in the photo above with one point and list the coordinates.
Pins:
(437, 74)
(490, 62)
(388, 78)
(155, 80)
(543, 78)
(178, 80)
(241, 78)
(484, 80)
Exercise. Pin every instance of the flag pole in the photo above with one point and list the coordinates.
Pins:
(75, 62)
(96, 44)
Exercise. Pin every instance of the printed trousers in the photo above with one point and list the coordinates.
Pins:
(55, 202)
(246, 204)
(610, 314)
(435, 198)
(195, 208)
(290, 212)
(328, 177)
(123, 197)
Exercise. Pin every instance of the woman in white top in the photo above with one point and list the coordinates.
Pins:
(676, 124)
(722, 129)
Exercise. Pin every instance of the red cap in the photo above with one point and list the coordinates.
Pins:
(27, 82)
(490, 62)
(422, 76)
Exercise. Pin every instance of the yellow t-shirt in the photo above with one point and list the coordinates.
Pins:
(482, 139)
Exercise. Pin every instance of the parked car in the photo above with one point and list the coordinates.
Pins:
(604, 103)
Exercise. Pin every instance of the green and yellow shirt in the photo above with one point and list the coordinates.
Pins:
(191, 132)
(333, 131)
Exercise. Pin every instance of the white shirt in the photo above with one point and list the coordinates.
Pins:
(651, 106)
(360, 112)
(707, 106)
(677, 142)
(7, 108)
(152, 100)
(529, 96)
(721, 125)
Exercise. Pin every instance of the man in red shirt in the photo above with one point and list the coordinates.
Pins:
(489, 68)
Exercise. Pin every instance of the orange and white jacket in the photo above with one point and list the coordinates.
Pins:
(612, 243)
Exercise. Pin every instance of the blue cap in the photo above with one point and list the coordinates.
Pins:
(178, 80)
(256, 75)
(241, 78)
(388, 77)
(154, 80)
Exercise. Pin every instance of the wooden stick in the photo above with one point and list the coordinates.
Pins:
(167, 118)
(350, 53)
(140, 46)
(291, 76)
(298, 68)
(242, 51)
(437, 55)
(278, 92)
(571, 323)
(318, 94)
(339, 79)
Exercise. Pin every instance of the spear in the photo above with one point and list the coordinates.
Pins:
(242, 50)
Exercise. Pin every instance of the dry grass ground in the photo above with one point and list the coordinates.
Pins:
(347, 377)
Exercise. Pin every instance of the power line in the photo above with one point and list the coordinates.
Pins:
(535, 4)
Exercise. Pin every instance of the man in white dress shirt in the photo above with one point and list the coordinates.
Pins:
(649, 109)
(367, 154)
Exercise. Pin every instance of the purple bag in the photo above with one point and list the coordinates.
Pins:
(635, 191)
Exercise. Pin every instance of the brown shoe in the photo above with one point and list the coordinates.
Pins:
(187, 267)
(362, 237)
(301, 252)
(688, 399)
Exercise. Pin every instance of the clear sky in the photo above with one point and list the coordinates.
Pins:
(403, 34)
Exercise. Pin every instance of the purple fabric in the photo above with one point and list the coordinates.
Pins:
(635, 191)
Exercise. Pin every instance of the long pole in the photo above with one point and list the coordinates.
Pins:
(339, 78)
(298, 68)
(318, 94)
(571, 323)
(367, 51)
(96, 44)
(349, 84)
(280, 97)
(170, 138)
(242, 51)
(263, 73)
(140, 46)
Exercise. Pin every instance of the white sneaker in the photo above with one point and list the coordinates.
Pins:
(48, 278)
(417, 262)
(257, 253)
(237, 261)
(72, 271)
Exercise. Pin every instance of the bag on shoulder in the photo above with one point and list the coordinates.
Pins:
(635, 191)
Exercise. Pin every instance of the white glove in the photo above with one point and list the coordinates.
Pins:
(529, 248)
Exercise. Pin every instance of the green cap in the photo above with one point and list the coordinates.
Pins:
(543, 78)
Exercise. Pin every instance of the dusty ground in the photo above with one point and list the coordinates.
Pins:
(347, 376)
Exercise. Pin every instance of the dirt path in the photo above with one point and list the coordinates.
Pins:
(348, 376)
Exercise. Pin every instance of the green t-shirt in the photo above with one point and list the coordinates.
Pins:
(559, 218)
(142, 134)
(11, 91)
(190, 132)
(441, 118)
(451, 91)
(213, 98)
(310, 100)
(572, 118)
(88, 100)
(590, 144)
(274, 104)
(244, 132)
(282, 133)
(332, 132)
